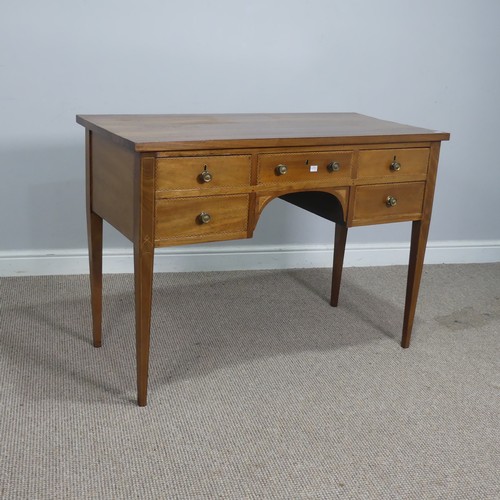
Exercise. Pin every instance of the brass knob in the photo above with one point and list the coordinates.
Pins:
(205, 176)
(391, 201)
(281, 169)
(334, 166)
(204, 218)
(395, 166)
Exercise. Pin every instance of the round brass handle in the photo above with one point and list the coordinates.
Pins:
(391, 201)
(333, 166)
(281, 169)
(395, 166)
(205, 176)
(204, 218)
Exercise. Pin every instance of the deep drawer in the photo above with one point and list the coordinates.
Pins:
(201, 219)
(388, 202)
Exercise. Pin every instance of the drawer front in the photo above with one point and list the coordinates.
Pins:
(201, 218)
(384, 203)
(393, 162)
(321, 167)
(202, 172)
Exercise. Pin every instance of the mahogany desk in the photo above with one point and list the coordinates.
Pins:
(165, 180)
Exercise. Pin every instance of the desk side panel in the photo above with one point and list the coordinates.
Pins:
(113, 183)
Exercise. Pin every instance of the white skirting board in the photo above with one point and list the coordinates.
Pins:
(189, 259)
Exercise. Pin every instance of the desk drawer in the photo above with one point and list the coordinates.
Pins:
(196, 219)
(393, 162)
(388, 202)
(202, 172)
(315, 167)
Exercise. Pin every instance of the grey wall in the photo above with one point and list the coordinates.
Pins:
(431, 63)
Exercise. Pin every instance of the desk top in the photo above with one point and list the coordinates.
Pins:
(181, 132)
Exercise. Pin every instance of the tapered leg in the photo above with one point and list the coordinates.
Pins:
(94, 228)
(143, 267)
(94, 237)
(143, 270)
(419, 233)
(338, 261)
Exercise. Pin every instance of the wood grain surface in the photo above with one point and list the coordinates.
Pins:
(181, 132)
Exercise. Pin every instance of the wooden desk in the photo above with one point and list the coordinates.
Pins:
(165, 180)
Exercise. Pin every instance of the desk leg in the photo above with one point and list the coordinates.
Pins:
(419, 233)
(338, 261)
(94, 228)
(143, 270)
(94, 238)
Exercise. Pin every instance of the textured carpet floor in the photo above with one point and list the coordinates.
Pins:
(258, 388)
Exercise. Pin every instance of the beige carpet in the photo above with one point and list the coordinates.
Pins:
(258, 388)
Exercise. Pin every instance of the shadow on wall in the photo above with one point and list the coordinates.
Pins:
(43, 192)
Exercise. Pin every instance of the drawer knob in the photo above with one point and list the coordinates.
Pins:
(333, 166)
(204, 218)
(395, 166)
(281, 169)
(205, 176)
(391, 201)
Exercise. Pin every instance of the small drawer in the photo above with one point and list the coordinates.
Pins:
(393, 162)
(186, 220)
(388, 202)
(321, 167)
(202, 172)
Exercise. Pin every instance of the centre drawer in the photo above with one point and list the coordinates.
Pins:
(388, 202)
(202, 172)
(394, 163)
(315, 167)
(196, 219)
